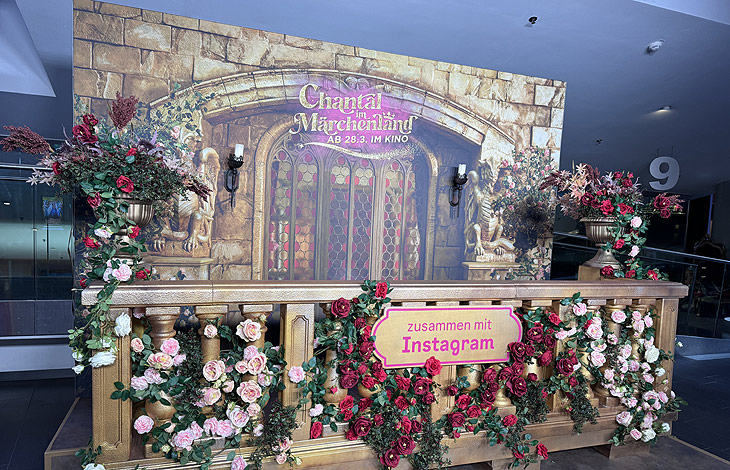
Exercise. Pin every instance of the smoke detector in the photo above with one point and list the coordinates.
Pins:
(654, 46)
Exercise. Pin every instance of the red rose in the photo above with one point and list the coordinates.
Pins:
(489, 375)
(664, 213)
(94, 201)
(518, 454)
(565, 367)
(366, 349)
(651, 274)
(554, 319)
(462, 401)
(617, 175)
(474, 411)
(573, 382)
(587, 199)
(630, 273)
(91, 243)
(341, 308)
(359, 322)
(316, 430)
(487, 396)
(90, 120)
(517, 351)
(606, 207)
(134, 231)
(367, 332)
(549, 341)
(618, 244)
(348, 350)
(517, 385)
(421, 386)
(380, 375)
(529, 350)
(131, 151)
(350, 434)
(625, 209)
(417, 426)
(405, 424)
(347, 415)
(84, 133)
(405, 445)
(368, 382)
(390, 458)
(544, 393)
(364, 403)
(542, 451)
(429, 398)
(506, 373)
(378, 420)
(381, 290)
(545, 358)
(125, 184)
(402, 383)
(509, 420)
(628, 183)
(402, 403)
(433, 366)
(56, 168)
(82, 282)
(535, 334)
(451, 390)
(348, 380)
(457, 419)
(362, 426)
(532, 377)
(362, 368)
(518, 368)
(607, 271)
(347, 403)
(142, 274)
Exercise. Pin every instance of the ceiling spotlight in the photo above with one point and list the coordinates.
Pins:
(665, 108)
(6, 203)
(532, 19)
(654, 46)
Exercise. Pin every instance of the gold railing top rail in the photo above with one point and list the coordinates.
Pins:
(176, 293)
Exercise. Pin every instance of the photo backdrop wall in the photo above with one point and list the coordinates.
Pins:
(348, 153)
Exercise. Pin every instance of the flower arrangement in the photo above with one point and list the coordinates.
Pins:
(587, 194)
(527, 211)
(110, 165)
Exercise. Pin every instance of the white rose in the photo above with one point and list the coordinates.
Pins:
(651, 354)
(666, 427)
(78, 368)
(103, 232)
(123, 325)
(660, 371)
(77, 355)
(648, 435)
(94, 466)
(102, 358)
(636, 221)
(634, 251)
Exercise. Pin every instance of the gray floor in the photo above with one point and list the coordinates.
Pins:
(30, 412)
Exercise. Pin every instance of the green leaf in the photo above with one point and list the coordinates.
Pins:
(119, 385)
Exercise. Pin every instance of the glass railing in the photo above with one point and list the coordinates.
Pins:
(706, 309)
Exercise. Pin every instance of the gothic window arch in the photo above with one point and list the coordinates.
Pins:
(335, 216)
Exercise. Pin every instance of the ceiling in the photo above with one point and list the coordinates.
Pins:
(614, 88)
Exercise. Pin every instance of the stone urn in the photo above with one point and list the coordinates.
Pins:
(599, 231)
(139, 212)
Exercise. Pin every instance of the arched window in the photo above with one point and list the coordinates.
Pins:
(336, 216)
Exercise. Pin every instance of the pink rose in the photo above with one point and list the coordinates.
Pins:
(228, 386)
(634, 251)
(580, 309)
(663, 397)
(253, 410)
(160, 360)
(238, 417)
(170, 346)
(250, 352)
(561, 335)
(211, 395)
(183, 440)
(281, 458)
(241, 367)
(139, 383)
(137, 345)
(623, 418)
(212, 370)
(249, 391)
(238, 463)
(257, 364)
(594, 330)
(175, 134)
(634, 366)
(618, 316)
(248, 330)
(609, 375)
(598, 359)
(153, 377)
(264, 380)
(196, 430)
(648, 321)
(636, 434)
(638, 327)
(225, 428)
(179, 359)
(210, 426)
(635, 221)
(296, 374)
(210, 331)
(122, 273)
(144, 424)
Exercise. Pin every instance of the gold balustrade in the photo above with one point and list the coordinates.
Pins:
(297, 303)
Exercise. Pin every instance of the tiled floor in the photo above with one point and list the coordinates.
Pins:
(30, 412)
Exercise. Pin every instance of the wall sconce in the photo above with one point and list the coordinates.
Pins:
(457, 184)
(235, 161)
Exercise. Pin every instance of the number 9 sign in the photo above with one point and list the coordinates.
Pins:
(664, 168)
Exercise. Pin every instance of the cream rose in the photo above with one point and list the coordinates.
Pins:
(123, 325)
(160, 360)
(210, 331)
(253, 410)
(651, 354)
(249, 391)
(211, 395)
(238, 417)
(102, 358)
(623, 418)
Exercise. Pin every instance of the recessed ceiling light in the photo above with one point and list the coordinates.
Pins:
(6, 203)
(654, 46)
(665, 108)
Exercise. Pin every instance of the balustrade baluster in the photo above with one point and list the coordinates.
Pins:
(604, 396)
(210, 314)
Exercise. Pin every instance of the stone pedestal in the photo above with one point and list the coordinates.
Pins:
(168, 266)
(488, 271)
